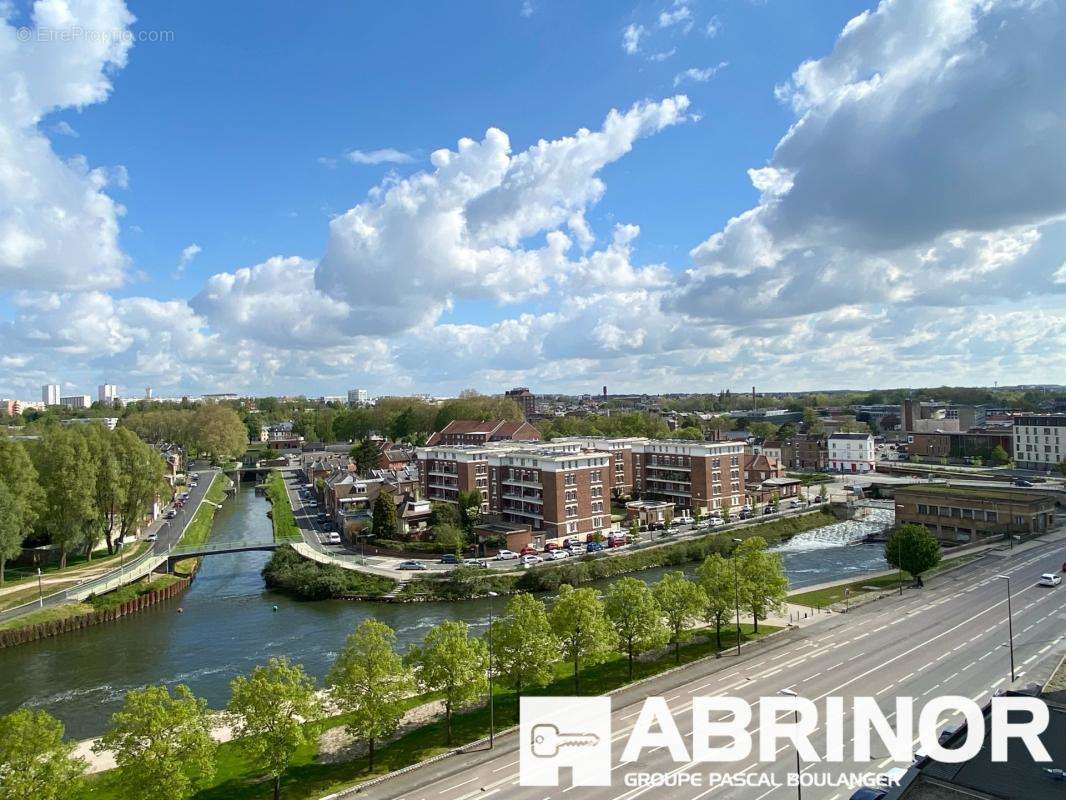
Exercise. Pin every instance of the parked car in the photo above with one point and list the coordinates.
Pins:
(576, 549)
(532, 558)
(793, 504)
(411, 565)
(550, 546)
(1050, 579)
(480, 563)
(151, 537)
(171, 514)
(556, 555)
(768, 510)
(449, 558)
(506, 555)
(322, 516)
(333, 538)
(1022, 482)
(594, 547)
(529, 550)
(867, 793)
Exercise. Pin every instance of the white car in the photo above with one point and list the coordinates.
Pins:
(555, 555)
(151, 537)
(576, 549)
(1050, 579)
(531, 559)
(333, 538)
(506, 555)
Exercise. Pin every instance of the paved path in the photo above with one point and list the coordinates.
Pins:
(948, 638)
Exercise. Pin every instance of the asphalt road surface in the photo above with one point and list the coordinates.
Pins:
(949, 638)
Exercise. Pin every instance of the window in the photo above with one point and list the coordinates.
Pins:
(571, 496)
(597, 507)
(596, 476)
(571, 511)
(570, 479)
(923, 509)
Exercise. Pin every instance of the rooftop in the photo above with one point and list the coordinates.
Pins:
(976, 493)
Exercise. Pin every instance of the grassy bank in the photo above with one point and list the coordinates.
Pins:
(468, 583)
(308, 778)
(199, 530)
(25, 576)
(285, 529)
(832, 595)
(287, 571)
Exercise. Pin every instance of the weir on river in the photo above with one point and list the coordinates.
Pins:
(228, 626)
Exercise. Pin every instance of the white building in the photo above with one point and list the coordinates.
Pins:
(76, 401)
(358, 396)
(107, 393)
(50, 394)
(851, 452)
(1039, 441)
(110, 422)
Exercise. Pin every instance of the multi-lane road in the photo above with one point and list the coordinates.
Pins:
(950, 638)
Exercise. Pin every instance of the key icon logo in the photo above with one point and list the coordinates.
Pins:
(565, 734)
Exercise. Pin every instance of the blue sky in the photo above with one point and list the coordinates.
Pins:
(230, 142)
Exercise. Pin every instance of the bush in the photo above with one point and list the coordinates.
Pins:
(289, 572)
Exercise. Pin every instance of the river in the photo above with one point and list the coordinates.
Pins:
(228, 625)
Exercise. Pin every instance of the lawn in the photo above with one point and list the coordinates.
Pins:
(16, 574)
(285, 529)
(49, 614)
(199, 530)
(307, 779)
(820, 598)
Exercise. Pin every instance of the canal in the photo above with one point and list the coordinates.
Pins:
(227, 625)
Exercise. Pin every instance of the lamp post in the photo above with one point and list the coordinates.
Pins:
(492, 705)
(40, 589)
(1010, 626)
(795, 719)
(847, 592)
(736, 583)
(899, 561)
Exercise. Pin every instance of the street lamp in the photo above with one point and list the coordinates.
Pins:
(899, 561)
(40, 590)
(1010, 626)
(492, 705)
(847, 592)
(736, 582)
(795, 719)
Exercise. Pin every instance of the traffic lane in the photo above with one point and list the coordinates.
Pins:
(854, 630)
(170, 531)
(753, 686)
(958, 653)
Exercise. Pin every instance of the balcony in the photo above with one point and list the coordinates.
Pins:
(523, 498)
(656, 465)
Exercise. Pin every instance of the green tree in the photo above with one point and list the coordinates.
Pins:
(109, 491)
(68, 477)
(823, 493)
(1061, 467)
(718, 579)
(444, 514)
(385, 521)
(637, 619)
(219, 432)
(163, 742)
(35, 761)
(913, 549)
(1000, 457)
(452, 663)
(763, 583)
(579, 621)
(22, 502)
(368, 681)
(269, 709)
(450, 537)
(812, 423)
(142, 472)
(366, 456)
(469, 509)
(726, 509)
(682, 601)
(524, 648)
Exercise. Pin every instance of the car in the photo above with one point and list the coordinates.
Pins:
(479, 563)
(321, 516)
(529, 550)
(1022, 482)
(171, 514)
(1050, 579)
(333, 538)
(768, 510)
(506, 555)
(449, 558)
(550, 546)
(531, 558)
(594, 547)
(576, 549)
(151, 537)
(793, 504)
(868, 793)
(558, 554)
(411, 565)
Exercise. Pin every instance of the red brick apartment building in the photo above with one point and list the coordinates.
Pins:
(446, 470)
(691, 475)
(621, 450)
(475, 432)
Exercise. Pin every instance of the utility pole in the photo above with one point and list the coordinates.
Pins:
(736, 581)
(1010, 627)
(795, 720)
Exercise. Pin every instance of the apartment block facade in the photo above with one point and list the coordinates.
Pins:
(446, 470)
(692, 475)
(1039, 441)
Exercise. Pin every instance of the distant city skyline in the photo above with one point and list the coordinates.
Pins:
(551, 195)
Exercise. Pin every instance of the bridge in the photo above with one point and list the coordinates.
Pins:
(218, 548)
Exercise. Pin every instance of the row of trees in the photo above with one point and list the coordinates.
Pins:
(164, 737)
(73, 487)
(210, 429)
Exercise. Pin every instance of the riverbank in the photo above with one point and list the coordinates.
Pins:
(314, 774)
(123, 600)
(281, 515)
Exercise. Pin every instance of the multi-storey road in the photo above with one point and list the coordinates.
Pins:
(950, 638)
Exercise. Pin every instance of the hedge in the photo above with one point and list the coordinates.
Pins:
(287, 571)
